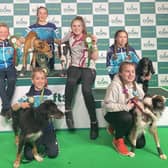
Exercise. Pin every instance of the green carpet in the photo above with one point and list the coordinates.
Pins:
(78, 151)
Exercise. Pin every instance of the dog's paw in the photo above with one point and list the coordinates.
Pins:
(21, 74)
(163, 156)
(131, 154)
(16, 164)
(38, 158)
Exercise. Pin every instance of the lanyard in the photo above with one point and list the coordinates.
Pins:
(42, 96)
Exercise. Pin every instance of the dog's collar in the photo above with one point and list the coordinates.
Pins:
(136, 105)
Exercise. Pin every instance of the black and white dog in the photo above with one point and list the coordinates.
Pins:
(144, 68)
(146, 115)
(64, 56)
(29, 123)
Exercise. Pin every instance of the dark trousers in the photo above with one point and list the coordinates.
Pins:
(7, 86)
(86, 77)
(122, 122)
(47, 145)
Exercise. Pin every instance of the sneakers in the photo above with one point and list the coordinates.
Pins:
(69, 120)
(120, 146)
(94, 130)
(7, 114)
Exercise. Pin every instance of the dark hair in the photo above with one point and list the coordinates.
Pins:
(122, 65)
(116, 45)
(80, 18)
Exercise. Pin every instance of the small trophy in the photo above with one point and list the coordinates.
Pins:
(31, 99)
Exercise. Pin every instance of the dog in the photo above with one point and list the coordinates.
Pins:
(64, 56)
(29, 123)
(144, 68)
(38, 47)
(146, 115)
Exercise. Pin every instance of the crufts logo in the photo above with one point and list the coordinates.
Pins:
(59, 98)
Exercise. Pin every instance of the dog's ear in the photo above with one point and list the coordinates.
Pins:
(139, 66)
(160, 97)
(151, 67)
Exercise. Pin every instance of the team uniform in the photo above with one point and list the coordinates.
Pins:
(7, 75)
(121, 56)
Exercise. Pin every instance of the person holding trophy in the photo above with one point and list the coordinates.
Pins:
(83, 54)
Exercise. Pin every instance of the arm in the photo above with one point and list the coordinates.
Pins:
(22, 103)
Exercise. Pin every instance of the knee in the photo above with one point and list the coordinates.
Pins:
(28, 153)
(52, 150)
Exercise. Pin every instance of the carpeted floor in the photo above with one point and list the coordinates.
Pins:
(78, 151)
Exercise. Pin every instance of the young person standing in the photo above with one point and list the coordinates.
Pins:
(81, 70)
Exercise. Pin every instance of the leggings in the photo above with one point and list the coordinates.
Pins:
(86, 77)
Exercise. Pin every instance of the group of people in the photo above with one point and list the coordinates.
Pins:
(121, 62)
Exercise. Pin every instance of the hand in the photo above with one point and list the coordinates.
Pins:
(18, 43)
(21, 40)
(130, 105)
(57, 41)
(147, 77)
(24, 105)
(94, 39)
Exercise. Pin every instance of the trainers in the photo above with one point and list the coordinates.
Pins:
(94, 130)
(120, 146)
(2, 113)
(110, 130)
(69, 120)
(9, 114)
